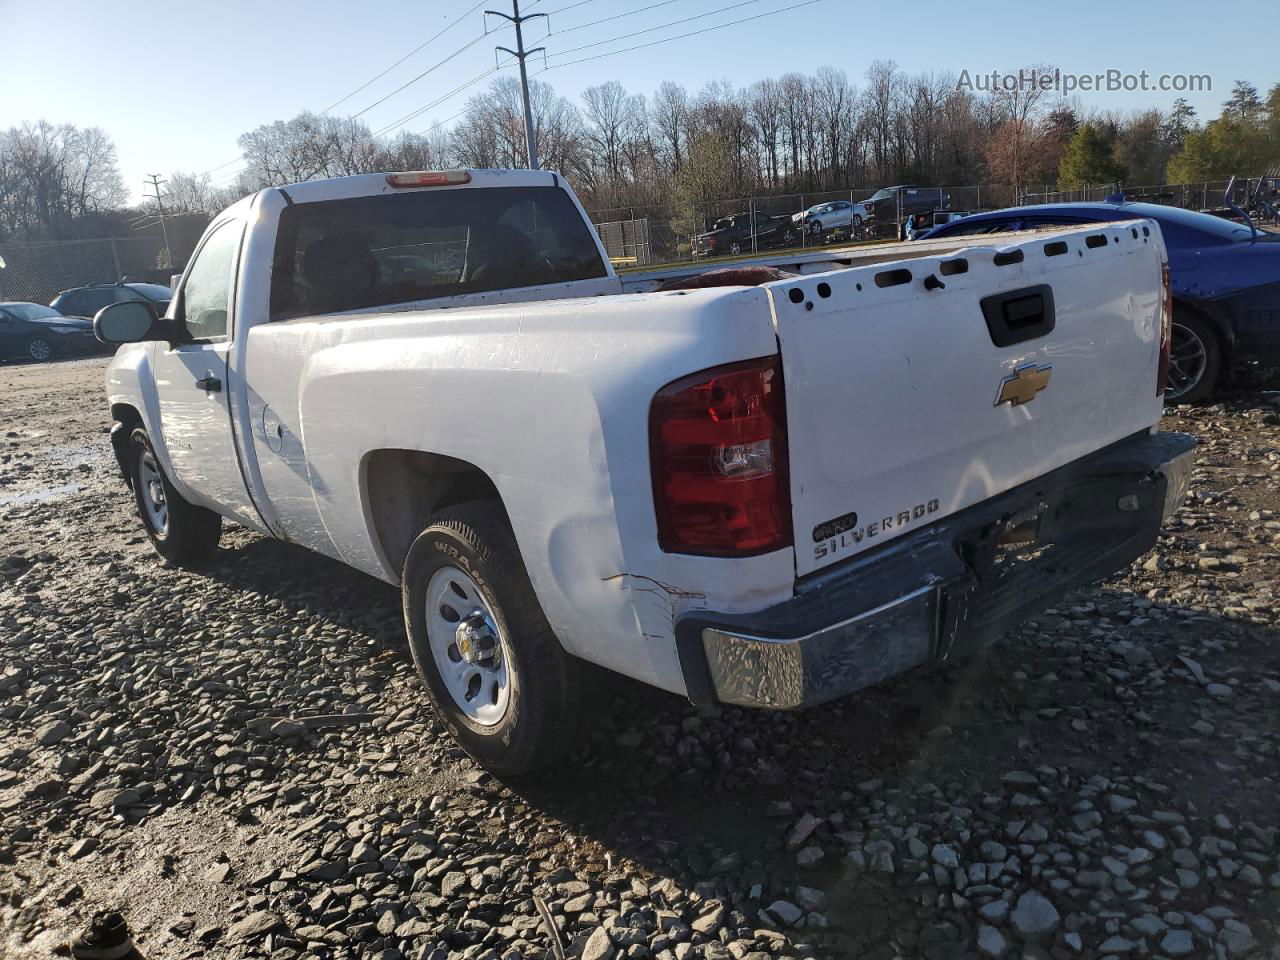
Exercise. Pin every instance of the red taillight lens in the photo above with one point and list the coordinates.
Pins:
(719, 448)
(1166, 322)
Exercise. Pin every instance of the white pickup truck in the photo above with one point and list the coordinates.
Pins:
(756, 493)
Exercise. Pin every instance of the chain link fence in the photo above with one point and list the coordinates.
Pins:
(38, 272)
(672, 229)
(632, 236)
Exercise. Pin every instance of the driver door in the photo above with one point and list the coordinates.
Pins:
(191, 379)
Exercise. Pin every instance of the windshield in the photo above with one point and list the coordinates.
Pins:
(878, 195)
(32, 311)
(152, 291)
(402, 247)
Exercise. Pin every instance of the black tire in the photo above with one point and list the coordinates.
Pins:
(190, 535)
(40, 349)
(735, 248)
(540, 720)
(1195, 359)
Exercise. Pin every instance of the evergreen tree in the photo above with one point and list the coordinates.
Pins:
(1089, 159)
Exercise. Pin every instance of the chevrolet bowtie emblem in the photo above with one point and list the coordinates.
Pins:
(1023, 384)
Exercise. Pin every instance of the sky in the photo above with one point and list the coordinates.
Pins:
(175, 84)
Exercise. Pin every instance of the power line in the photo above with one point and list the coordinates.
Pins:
(691, 33)
(616, 16)
(430, 39)
(441, 99)
(661, 26)
(435, 66)
(398, 89)
(552, 13)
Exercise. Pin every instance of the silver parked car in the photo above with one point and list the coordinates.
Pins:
(836, 216)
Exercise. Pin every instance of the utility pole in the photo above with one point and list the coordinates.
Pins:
(520, 53)
(154, 184)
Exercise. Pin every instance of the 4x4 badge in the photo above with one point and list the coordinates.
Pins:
(1023, 384)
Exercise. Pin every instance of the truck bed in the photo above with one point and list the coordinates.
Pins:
(820, 260)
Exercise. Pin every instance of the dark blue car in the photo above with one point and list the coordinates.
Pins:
(1226, 283)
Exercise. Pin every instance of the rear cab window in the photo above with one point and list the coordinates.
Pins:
(338, 255)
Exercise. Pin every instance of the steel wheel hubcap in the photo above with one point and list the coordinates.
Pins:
(40, 350)
(152, 489)
(469, 651)
(1188, 359)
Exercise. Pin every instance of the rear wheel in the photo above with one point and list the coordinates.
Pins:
(180, 531)
(1195, 359)
(39, 349)
(496, 673)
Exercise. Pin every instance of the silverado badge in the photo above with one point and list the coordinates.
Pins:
(1023, 384)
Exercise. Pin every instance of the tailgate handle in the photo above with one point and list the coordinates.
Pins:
(1019, 315)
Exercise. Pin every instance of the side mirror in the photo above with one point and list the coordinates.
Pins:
(130, 321)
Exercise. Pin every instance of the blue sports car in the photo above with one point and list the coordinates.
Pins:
(1226, 283)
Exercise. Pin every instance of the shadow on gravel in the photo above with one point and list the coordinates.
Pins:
(1005, 748)
(983, 748)
(307, 581)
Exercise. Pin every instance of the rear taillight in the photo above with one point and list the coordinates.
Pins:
(1166, 322)
(719, 450)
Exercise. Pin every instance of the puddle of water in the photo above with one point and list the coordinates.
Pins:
(77, 453)
(36, 496)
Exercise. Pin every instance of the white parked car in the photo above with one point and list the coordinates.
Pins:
(755, 493)
(838, 216)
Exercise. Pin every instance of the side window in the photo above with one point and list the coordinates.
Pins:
(72, 305)
(206, 292)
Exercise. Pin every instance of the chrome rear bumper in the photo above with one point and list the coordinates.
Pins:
(944, 590)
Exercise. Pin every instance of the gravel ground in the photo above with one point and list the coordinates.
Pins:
(241, 760)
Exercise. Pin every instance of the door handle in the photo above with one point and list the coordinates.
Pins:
(211, 384)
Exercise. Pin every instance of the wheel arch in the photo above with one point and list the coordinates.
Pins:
(1218, 322)
(403, 488)
(125, 419)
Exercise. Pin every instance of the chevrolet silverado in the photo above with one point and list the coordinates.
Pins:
(769, 487)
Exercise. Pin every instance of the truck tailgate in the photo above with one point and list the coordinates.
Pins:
(907, 401)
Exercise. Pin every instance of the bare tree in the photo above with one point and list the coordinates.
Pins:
(611, 118)
(670, 118)
(765, 100)
(491, 134)
(1017, 148)
(57, 181)
(305, 148)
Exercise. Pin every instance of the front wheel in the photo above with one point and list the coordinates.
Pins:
(39, 349)
(1195, 359)
(735, 248)
(181, 532)
(495, 671)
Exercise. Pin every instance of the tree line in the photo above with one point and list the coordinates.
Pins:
(672, 152)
